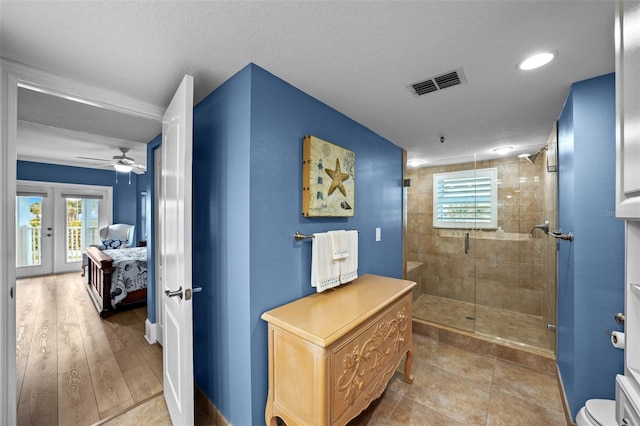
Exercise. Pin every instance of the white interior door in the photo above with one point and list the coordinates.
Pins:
(177, 132)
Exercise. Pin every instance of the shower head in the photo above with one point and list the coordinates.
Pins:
(532, 157)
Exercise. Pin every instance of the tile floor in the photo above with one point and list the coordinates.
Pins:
(527, 330)
(456, 386)
(452, 386)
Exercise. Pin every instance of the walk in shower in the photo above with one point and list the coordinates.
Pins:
(496, 276)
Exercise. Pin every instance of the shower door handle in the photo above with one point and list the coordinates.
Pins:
(466, 243)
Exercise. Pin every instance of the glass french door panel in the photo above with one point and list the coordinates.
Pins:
(34, 231)
(82, 226)
(29, 231)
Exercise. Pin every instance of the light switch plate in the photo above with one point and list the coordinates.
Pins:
(378, 234)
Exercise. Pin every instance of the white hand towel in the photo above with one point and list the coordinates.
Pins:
(339, 244)
(349, 265)
(325, 272)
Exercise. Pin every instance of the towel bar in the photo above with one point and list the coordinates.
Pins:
(298, 236)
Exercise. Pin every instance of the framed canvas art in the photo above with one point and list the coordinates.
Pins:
(328, 179)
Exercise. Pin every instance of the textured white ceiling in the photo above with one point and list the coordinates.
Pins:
(356, 56)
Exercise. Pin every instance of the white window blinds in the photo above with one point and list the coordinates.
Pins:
(465, 199)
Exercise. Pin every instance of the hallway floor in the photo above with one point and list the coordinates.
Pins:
(72, 366)
(452, 386)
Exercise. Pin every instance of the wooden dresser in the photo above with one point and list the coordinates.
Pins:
(332, 353)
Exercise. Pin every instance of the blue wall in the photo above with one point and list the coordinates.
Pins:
(247, 205)
(125, 195)
(591, 268)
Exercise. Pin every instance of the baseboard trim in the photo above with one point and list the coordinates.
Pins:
(563, 396)
(203, 401)
(150, 331)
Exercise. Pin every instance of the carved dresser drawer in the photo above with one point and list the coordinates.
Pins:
(332, 353)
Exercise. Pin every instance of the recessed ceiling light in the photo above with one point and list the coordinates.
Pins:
(536, 61)
(503, 150)
(415, 163)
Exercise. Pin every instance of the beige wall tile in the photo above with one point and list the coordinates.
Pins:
(511, 275)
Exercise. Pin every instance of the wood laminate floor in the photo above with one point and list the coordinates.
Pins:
(74, 368)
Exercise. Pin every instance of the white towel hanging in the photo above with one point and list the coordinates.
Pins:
(325, 271)
(339, 244)
(349, 265)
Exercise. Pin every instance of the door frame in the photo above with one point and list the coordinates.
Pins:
(157, 229)
(12, 75)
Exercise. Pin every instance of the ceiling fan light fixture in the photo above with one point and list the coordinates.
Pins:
(122, 168)
(536, 61)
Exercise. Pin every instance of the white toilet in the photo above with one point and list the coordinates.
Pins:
(597, 412)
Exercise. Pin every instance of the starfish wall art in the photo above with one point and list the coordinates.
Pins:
(328, 179)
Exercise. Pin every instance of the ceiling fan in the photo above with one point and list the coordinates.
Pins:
(120, 163)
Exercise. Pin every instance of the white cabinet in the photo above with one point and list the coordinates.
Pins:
(628, 199)
(628, 386)
(626, 402)
(627, 110)
(632, 301)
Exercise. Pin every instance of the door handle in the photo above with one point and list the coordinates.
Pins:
(170, 293)
(561, 235)
(187, 293)
(466, 243)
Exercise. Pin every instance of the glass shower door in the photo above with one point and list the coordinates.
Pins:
(497, 278)
(515, 266)
(444, 253)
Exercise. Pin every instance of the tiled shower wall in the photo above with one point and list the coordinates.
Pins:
(512, 270)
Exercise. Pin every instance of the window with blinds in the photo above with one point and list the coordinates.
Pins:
(465, 199)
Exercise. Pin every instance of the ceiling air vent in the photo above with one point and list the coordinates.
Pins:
(438, 82)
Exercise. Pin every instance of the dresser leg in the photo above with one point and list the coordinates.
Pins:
(271, 421)
(269, 418)
(407, 367)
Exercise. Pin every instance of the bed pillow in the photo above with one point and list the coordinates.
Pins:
(113, 244)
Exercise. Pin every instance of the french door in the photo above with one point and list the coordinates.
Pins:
(55, 223)
(34, 227)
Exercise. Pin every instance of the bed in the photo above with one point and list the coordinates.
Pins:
(117, 279)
